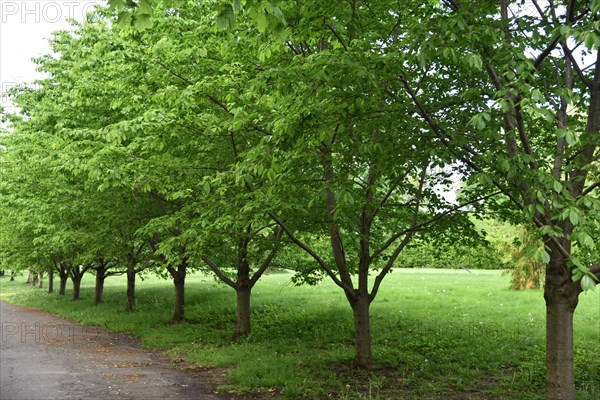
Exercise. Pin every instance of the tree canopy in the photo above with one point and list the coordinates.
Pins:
(326, 137)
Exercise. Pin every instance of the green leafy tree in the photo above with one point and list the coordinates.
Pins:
(80, 227)
(513, 90)
(340, 164)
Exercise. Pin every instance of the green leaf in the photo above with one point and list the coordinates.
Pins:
(262, 22)
(143, 21)
(592, 40)
(474, 60)
(124, 19)
(480, 120)
(544, 256)
(574, 216)
(557, 186)
(145, 7)
(571, 137)
(587, 283)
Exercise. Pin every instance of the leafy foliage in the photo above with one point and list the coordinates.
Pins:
(224, 133)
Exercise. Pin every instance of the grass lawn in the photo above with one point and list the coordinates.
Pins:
(437, 334)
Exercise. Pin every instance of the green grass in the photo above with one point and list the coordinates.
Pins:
(437, 334)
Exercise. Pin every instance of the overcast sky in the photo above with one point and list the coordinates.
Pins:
(25, 27)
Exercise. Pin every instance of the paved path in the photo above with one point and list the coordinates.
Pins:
(45, 357)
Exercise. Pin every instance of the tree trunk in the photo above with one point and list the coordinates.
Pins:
(179, 281)
(561, 295)
(100, 277)
(76, 278)
(51, 280)
(243, 289)
(63, 285)
(101, 271)
(362, 332)
(40, 279)
(31, 278)
(242, 327)
(130, 289)
(63, 272)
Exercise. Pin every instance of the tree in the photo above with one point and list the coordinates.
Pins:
(337, 162)
(257, 246)
(521, 111)
(78, 223)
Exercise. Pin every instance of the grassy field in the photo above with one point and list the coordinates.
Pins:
(437, 334)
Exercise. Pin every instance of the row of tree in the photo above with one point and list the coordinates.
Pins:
(317, 136)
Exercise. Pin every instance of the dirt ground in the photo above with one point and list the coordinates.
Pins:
(45, 357)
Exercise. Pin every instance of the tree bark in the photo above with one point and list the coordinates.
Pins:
(51, 280)
(242, 327)
(561, 295)
(31, 278)
(63, 285)
(179, 282)
(40, 279)
(131, 273)
(63, 272)
(362, 332)
(76, 274)
(76, 279)
(100, 277)
(243, 289)
(99, 290)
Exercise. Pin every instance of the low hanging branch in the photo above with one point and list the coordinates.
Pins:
(312, 253)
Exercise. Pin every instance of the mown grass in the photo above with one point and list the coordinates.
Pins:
(437, 334)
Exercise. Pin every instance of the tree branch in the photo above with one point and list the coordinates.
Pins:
(420, 226)
(523, 137)
(578, 69)
(389, 265)
(540, 58)
(312, 253)
(453, 4)
(266, 262)
(403, 243)
(218, 272)
(387, 196)
(589, 189)
(211, 98)
(174, 73)
(337, 36)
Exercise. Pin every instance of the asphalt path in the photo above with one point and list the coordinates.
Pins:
(45, 357)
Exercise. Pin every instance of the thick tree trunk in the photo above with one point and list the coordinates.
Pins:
(242, 327)
(63, 272)
(100, 277)
(63, 285)
(76, 279)
(561, 295)
(130, 289)
(101, 271)
(31, 278)
(51, 280)
(362, 332)
(179, 281)
(243, 290)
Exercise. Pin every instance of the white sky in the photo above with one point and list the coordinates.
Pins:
(25, 27)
